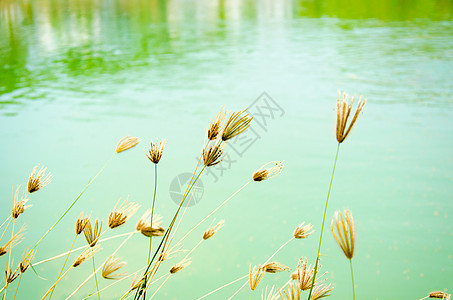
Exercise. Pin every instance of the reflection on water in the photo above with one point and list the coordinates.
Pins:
(51, 42)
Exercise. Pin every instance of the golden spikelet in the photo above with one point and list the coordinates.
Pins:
(236, 124)
(292, 293)
(10, 276)
(343, 112)
(112, 265)
(268, 171)
(211, 231)
(303, 231)
(216, 125)
(255, 276)
(439, 295)
(126, 143)
(304, 275)
(38, 180)
(345, 236)
(321, 291)
(178, 267)
(274, 267)
(120, 215)
(19, 203)
(86, 254)
(92, 235)
(155, 151)
(143, 225)
(212, 153)
(273, 294)
(26, 260)
(81, 223)
(13, 241)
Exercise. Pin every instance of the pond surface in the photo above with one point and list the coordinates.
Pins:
(76, 76)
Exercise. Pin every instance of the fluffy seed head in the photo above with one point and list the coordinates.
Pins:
(120, 215)
(216, 125)
(38, 180)
(345, 232)
(303, 231)
(255, 275)
(155, 151)
(213, 152)
(211, 231)
(343, 112)
(19, 203)
(87, 253)
(126, 143)
(439, 295)
(292, 293)
(178, 267)
(13, 241)
(274, 267)
(236, 124)
(304, 275)
(320, 291)
(268, 171)
(112, 265)
(92, 234)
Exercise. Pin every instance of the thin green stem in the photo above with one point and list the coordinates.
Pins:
(152, 209)
(70, 206)
(251, 293)
(96, 279)
(352, 277)
(323, 221)
(64, 264)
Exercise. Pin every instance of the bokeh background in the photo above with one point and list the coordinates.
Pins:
(76, 76)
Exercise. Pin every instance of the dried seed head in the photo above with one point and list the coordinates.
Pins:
(178, 267)
(216, 125)
(343, 111)
(37, 181)
(112, 265)
(268, 171)
(320, 291)
(87, 253)
(169, 254)
(274, 267)
(136, 283)
(236, 124)
(81, 223)
(213, 152)
(26, 260)
(292, 293)
(255, 275)
(10, 276)
(345, 236)
(211, 231)
(19, 203)
(304, 275)
(143, 225)
(439, 295)
(92, 235)
(126, 143)
(120, 215)
(273, 294)
(13, 241)
(303, 231)
(155, 152)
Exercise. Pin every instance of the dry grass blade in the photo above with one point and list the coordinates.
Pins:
(343, 112)
(268, 171)
(345, 236)
(86, 254)
(19, 203)
(321, 291)
(303, 231)
(178, 267)
(26, 260)
(92, 235)
(126, 143)
(216, 125)
(120, 215)
(81, 223)
(112, 265)
(292, 293)
(38, 180)
(212, 153)
(13, 241)
(236, 124)
(274, 267)
(255, 275)
(155, 152)
(211, 231)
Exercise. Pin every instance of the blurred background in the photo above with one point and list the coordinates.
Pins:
(76, 76)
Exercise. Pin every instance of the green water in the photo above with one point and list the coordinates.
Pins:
(76, 76)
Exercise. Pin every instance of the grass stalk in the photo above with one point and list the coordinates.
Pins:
(161, 285)
(323, 221)
(352, 278)
(64, 264)
(96, 279)
(17, 287)
(223, 286)
(152, 210)
(58, 280)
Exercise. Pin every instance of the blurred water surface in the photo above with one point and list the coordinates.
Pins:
(76, 76)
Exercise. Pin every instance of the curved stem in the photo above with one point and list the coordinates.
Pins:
(64, 264)
(352, 277)
(323, 221)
